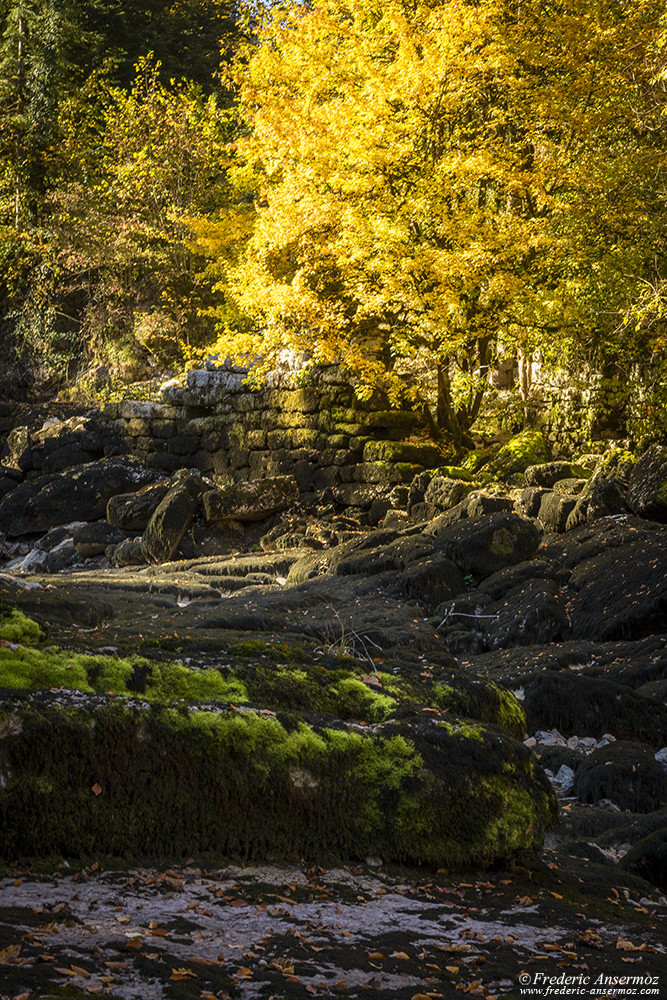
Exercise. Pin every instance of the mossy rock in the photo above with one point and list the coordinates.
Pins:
(456, 472)
(413, 452)
(616, 463)
(15, 627)
(445, 493)
(476, 460)
(483, 545)
(276, 676)
(520, 452)
(128, 780)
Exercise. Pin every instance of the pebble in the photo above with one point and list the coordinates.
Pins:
(583, 744)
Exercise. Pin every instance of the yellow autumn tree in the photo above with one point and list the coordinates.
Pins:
(436, 179)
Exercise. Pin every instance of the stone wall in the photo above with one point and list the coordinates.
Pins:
(319, 432)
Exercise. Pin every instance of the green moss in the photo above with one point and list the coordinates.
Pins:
(17, 627)
(27, 668)
(511, 715)
(527, 448)
(130, 781)
(457, 472)
(463, 730)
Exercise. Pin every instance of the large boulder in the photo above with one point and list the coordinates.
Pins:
(172, 518)
(647, 492)
(445, 493)
(92, 539)
(133, 511)
(426, 789)
(432, 581)
(549, 473)
(251, 501)
(601, 498)
(520, 452)
(81, 493)
(648, 859)
(483, 545)
(576, 704)
(625, 773)
(555, 508)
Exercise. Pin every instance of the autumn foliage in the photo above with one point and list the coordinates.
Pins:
(414, 188)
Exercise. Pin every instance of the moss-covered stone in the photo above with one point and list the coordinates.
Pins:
(413, 452)
(15, 627)
(29, 668)
(133, 781)
(521, 451)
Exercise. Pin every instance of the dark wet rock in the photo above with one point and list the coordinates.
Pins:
(133, 511)
(18, 448)
(583, 849)
(251, 501)
(647, 492)
(605, 826)
(570, 487)
(529, 502)
(445, 493)
(648, 859)
(555, 509)
(507, 580)
(418, 487)
(630, 829)
(615, 463)
(576, 703)
(479, 504)
(367, 553)
(93, 539)
(65, 457)
(432, 580)
(483, 545)
(172, 518)
(531, 613)
(602, 498)
(624, 772)
(126, 553)
(549, 473)
(79, 493)
(620, 592)
(553, 757)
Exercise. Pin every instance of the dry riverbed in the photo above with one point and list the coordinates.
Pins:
(281, 931)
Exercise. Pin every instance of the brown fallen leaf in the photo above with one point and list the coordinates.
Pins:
(622, 945)
(96, 789)
(400, 954)
(243, 973)
(453, 969)
(9, 953)
(180, 974)
(284, 965)
(377, 955)
(80, 971)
